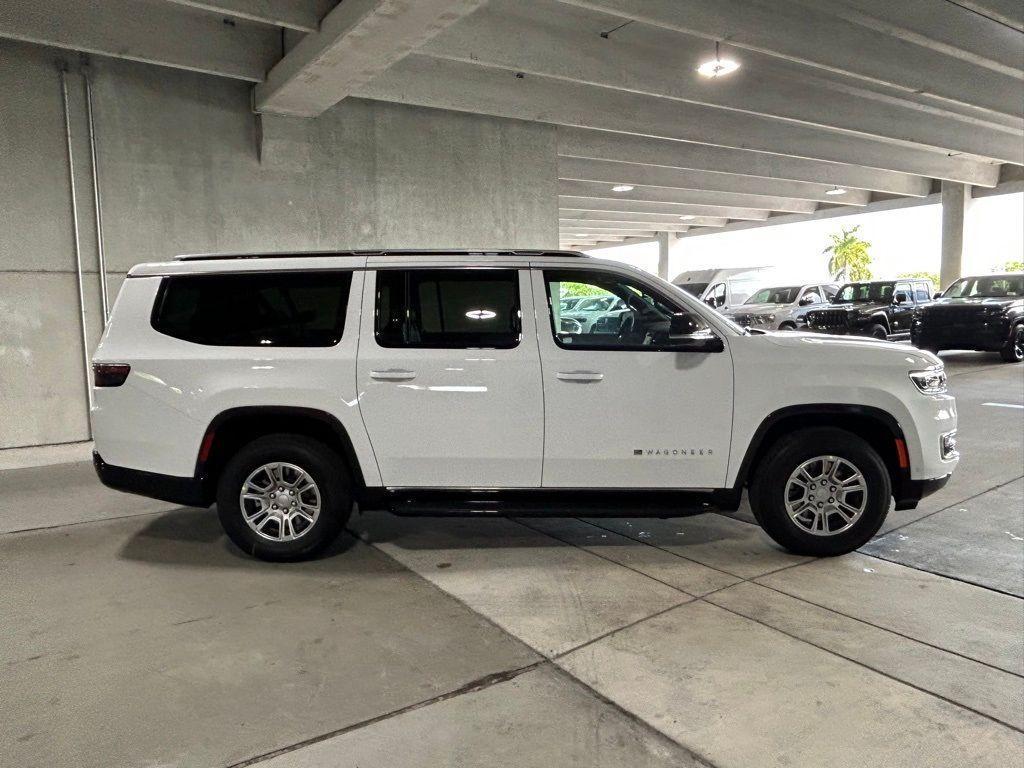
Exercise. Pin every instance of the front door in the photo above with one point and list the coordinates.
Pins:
(624, 409)
(449, 377)
(902, 313)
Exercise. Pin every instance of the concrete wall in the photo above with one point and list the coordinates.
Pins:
(185, 166)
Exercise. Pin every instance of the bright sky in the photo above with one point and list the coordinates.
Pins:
(904, 240)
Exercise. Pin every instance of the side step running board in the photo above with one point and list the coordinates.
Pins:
(556, 503)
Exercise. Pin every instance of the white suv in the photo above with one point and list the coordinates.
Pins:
(287, 387)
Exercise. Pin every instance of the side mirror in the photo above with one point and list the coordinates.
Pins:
(686, 335)
(808, 299)
(900, 298)
(937, 295)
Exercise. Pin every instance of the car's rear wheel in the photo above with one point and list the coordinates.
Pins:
(821, 491)
(877, 331)
(1013, 350)
(283, 497)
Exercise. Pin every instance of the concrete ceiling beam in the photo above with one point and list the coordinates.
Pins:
(550, 39)
(610, 172)
(808, 34)
(687, 197)
(432, 82)
(572, 233)
(573, 214)
(165, 34)
(613, 203)
(946, 28)
(300, 15)
(1008, 12)
(604, 145)
(569, 224)
(356, 41)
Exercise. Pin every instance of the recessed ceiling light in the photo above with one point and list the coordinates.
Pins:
(622, 188)
(687, 218)
(835, 191)
(717, 67)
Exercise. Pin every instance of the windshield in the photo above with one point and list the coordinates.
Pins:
(990, 286)
(864, 292)
(774, 296)
(694, 289)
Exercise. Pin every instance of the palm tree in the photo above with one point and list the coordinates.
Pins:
(849, 257)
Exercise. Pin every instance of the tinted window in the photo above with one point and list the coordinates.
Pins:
(448, 308)
(276, 309)
(638, 320)
(921, 292)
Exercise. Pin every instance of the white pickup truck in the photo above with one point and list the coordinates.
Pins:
(286, 388)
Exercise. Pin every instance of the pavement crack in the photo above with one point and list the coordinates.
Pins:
(472, 686)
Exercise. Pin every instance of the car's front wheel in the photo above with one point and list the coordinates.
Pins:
(1013, 350)
(821, 491)
(283, 497)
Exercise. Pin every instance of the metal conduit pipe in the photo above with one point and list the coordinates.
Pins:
(101, 258)
(78, 244)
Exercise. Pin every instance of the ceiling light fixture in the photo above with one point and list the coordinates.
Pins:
(835, 191)
(622, 188)
(687, 218)
(717, 67)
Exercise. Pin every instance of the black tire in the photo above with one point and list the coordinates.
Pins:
(327, 470)
(877, 331)
(1013, 350)
(769, 487)
(787, 327)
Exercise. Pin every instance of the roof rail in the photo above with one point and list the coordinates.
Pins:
(379, 252)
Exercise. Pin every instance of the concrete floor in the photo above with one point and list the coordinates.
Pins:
(134, 635)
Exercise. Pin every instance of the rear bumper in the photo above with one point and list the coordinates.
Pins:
(187, 491)
(910, 492)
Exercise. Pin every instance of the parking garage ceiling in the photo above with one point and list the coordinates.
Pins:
(835, 103)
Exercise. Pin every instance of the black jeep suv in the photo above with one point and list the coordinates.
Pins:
(882, 309)
(983, 313)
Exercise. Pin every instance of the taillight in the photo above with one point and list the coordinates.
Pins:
(110, 374)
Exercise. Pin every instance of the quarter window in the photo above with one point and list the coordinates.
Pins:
(448, 308)
(270, 309)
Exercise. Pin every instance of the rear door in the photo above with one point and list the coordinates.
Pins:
(449, 376)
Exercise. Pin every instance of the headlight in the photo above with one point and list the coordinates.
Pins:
(931, 381)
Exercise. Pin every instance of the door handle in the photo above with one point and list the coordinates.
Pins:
(393, 374)
(580, 376)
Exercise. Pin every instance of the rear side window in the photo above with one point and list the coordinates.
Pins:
(448, 308)
(274, 309)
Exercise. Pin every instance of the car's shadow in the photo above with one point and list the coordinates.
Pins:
(193, 537)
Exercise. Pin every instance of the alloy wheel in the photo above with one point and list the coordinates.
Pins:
(280, 501)
(826, 495)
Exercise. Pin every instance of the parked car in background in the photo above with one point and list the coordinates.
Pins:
(722, 289)
(782, 309)
(590, 308)
(882, 309)
(570, 302)
(984, 313)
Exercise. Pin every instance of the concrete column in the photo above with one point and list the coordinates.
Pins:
(663, 255)
(955, 199)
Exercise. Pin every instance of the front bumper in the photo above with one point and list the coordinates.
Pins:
(990, 337)
(187, 491)
(908, 493)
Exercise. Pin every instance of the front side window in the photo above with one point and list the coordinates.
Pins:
(716, 297)
(448, 308)
(921, 292)
(637, 318)
(269, 309)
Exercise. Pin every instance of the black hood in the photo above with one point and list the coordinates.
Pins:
(974, 302)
